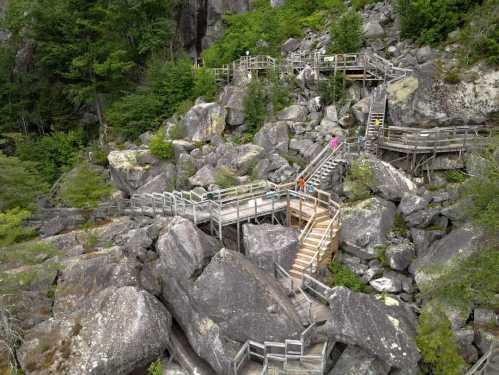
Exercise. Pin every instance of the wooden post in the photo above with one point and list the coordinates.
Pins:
(238, 225)
(288, 223)
(301, 212)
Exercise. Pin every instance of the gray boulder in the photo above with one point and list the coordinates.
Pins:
(365, 225)
(204, 177)
(204, 121)
(165, 181)
(422, 239)
(290, 45)
(273, 136)
(459, 244)
(232, 99)
(399, 256)
(386, 284)
(295, 113)
(307, 78)
(373, 30)
(130, 169)
(423, 54)
(423, 218)
(384, 328)
(388, 181)
(464, 339)
(55, 221)
(356, 361)
(266, 244)
(272, 164)
(305, 147)
(411, 203)
(121, 330)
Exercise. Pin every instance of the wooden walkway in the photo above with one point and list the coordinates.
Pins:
(356, 67)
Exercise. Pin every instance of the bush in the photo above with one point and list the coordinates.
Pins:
(400, 227)
(360, 178)
(53, 154)
(429, 22)
(480, 36)
(279, 94)
(255, 103)
(346, 33)
(20, 183)
(205, 84)
(437, 344)
(474, 280)
(225, 177)
(343, 276)
(455, 177)
(160, 147)
(11, 229)
(155, 368)
(331, 90)
(84, 187)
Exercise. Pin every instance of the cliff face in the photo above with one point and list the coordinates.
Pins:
(200, 21)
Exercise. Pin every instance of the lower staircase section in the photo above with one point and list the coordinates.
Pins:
(376, 119)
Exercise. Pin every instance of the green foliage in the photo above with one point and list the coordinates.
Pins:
(429, 22)
(225, 177)
(27, 254)
(400, 227)
(11, 229)
(480, 36)
(279, 93)
(359, 4)
(472, 280)
(483, 190)
(332, 90)
(20, 183)
(160, 147)
(84, 187)
(255, 103)
(343, 276)
(455, 177)
(437, 344)
(359, 179)
(346, 33)
(381, 254)
(53, 154)
(155, 368)
(205, 84)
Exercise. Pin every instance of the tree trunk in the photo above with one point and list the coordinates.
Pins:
(103, 128)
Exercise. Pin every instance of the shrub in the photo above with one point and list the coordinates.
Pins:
(155, 368)
(255, 103)
(429, 22)
(437, 344)
(360, 178)
(225, 177)
(160, 147)
(400, 227)
(346, 33)
(205, 84)
(455, 177)
(472, 280)
(343, 276)
(359, 4)
(11, 229)
(84, 187)
(279, 94)
(20, 183)
(331, 90)
(480, 36)
(53, 154)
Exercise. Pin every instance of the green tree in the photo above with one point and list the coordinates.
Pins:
(20, 183)
(437, 344)
(83, 187)
(205, 84)
(255, 103)
(332, 90)
(160, 147)
(346, 33)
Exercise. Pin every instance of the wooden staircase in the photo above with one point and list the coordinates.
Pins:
(317, 244)
(376, 119)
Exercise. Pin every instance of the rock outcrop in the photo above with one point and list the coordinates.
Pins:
(204, 121)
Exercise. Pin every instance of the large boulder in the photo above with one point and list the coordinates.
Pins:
(266, 244)
(400, 255)
(365, 225)
(121, 330)
(356, 361)
(204, 121)
(295, 113)
(204, 177)
(411, 203)
(459, 244)
(130, 169)
(273, 136)
(232, 99)
(388, 181)
(373, 30)
(306, 147)
(165, 181)
(384, 327)
(422, 100)
(220, 300)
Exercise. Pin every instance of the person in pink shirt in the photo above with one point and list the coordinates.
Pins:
(333, 143)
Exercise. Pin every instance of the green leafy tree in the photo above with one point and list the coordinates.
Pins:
(205, 84)
(20, 183)
(83, 187)
(160, 147)
(332, 90)
(346, 33)
(437, 344)
(255, 103)
(11, 226)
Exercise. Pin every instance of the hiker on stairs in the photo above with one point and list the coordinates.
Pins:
(333, 143)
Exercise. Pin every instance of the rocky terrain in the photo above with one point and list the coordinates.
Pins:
(114, 296)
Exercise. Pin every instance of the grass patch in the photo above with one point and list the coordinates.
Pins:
(225, 177)
(359, 180)
(27, 254)
(400, 227)
(343, 276)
